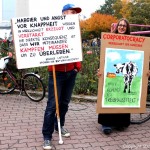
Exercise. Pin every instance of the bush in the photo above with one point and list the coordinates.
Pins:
(87, 81)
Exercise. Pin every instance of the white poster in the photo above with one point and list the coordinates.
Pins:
(49, 40)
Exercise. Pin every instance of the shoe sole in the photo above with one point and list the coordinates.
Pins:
(47, 148)
(66, 135)
(107, 132)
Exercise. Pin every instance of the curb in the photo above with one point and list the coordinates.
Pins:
(79, 98)
(84, 98)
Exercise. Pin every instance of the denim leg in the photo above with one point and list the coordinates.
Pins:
(48, 124)
(65, 95)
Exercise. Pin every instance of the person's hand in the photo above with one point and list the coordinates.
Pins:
(10, 54)
(76, 70)
(98, 73)
(148, 73)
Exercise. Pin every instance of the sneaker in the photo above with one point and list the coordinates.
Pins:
(106, 130)
(47, 145)
(64, 132)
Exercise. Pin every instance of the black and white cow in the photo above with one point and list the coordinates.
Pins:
(129, 71)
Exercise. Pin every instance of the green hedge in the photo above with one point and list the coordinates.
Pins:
(87, 81)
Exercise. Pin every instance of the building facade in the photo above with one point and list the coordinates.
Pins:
(13, 8)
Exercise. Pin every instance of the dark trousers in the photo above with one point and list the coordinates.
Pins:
(65, 84)
(114, 120)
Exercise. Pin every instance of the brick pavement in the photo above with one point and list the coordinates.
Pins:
(21, 123)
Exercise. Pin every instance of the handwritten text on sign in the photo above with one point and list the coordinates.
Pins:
(50, 40)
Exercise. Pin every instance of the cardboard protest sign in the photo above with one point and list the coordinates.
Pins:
(124, 63)
(49, 40)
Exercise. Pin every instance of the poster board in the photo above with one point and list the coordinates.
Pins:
(47, 40)
(120, 53)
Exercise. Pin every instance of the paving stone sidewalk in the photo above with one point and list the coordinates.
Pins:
(21, 123)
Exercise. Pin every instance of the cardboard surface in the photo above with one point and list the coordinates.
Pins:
(123, 45)
(46, 40)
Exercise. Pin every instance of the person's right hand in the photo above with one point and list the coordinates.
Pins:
(148, 73)
(10, 54)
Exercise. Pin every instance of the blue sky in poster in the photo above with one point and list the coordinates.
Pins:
(115, 56)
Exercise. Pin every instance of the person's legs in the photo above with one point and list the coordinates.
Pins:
(48, 124)
(113, 121)
(106, 123)
(65, 97)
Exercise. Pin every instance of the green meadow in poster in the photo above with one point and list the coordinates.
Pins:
(123, 72)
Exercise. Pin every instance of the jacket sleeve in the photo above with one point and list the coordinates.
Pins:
(77, 65)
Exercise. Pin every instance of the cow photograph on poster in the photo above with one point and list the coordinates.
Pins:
(124, 63)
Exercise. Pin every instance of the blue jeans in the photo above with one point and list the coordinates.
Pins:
(65, 83)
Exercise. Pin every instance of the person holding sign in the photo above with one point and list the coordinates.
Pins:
(65, 77)
(117, 121)
(5, 50)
